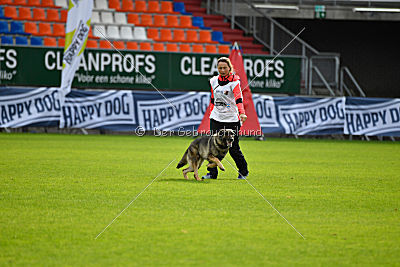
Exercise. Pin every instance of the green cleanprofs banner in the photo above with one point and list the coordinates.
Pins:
(30, 66)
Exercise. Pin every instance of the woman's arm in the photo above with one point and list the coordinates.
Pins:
(212, 99)
(237, 92)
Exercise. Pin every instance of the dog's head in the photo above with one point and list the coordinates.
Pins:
(225, 137)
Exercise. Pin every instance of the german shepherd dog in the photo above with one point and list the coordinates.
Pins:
(212, 148)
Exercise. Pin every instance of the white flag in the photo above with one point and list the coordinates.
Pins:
(77, 32)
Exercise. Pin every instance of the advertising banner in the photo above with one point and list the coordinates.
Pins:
(266, 113)
(77, 32)
(303, 115)
(21, 107)
(110, 69)
(372, 116)
(182, 110)
(125, 110)
(93, 109)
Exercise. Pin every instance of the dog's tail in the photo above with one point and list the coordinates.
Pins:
(183, 161)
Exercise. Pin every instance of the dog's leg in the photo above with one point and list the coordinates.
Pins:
(216, 161)
(197, 165)
(196, 174)
(188, 169)
(184, 172)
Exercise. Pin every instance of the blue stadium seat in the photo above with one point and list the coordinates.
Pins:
(21, 40)
(4, 27)
(17, 28)
(180, 7)
(36, 40)
(2, 13)
(198, 22)
(218, 37)
(7, 40)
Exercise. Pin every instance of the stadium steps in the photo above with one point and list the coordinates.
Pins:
(217, 23)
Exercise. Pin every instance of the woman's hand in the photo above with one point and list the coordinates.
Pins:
(242, 117)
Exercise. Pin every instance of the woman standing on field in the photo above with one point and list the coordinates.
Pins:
(227, 112)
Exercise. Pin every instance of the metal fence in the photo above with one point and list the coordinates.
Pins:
(319, 70)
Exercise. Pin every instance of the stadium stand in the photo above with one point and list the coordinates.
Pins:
(37, 41)
(177, 25)
(17, 27)
(172, 47)
(61, 42)
(21, 40)
(131, 45)
(185, 48)
(7, 40)
(145, 46)
(50, 41)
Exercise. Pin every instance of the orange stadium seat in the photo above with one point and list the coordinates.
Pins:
(223, 49)
(185, 48)
(179, 35)
(49, 41)
(53, 15)
(159, 20)
(11, 12)
(205, 37)
(127, 5)
(58, 29)
(153, 7)
(39, 14)
(158, 47)
(185, 22)
(146, 20)
(48, 3)
(6, 2)
(131, 45)
(133, 18)
(115, 4)
(61, 42)
(152, 33)
(105, 44)
(167, 7)
(31, 27)
(92, 44)
(197, 48)
(64, 15)
(191, 36)
(19, 2)
(145, 46)
(212, 49)
(172, 47)
(140, 6)
(45, 29)
(165, 35)
(172, 21)
(25, 13)
(120, 45)
(33, 3)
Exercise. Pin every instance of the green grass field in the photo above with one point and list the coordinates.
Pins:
(58, 192)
